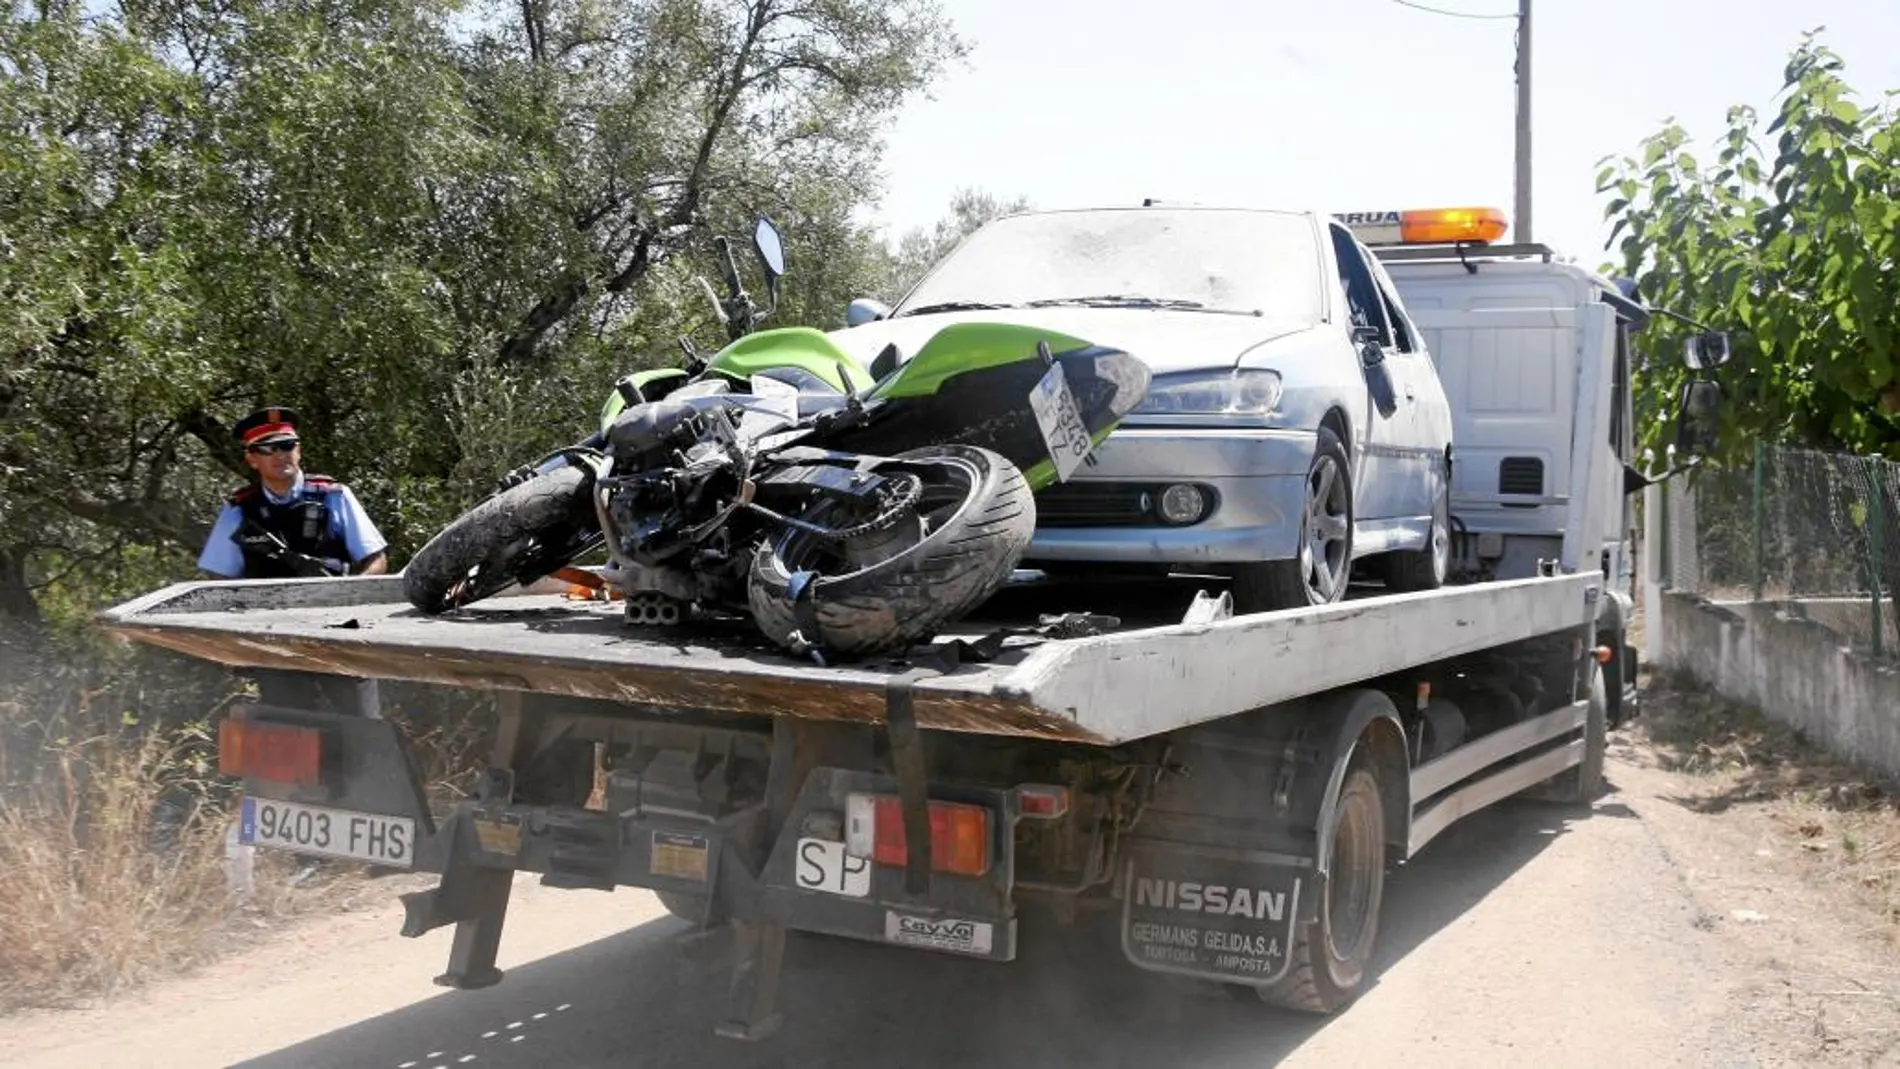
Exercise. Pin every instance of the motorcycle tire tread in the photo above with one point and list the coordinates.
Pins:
(537, 506)
(900, 601)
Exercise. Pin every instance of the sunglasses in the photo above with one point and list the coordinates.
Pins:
(269, 448)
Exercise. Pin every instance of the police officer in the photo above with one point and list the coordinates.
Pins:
(286, 523)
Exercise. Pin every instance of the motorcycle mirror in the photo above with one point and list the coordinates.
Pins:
(1706, 351)
(765, 242)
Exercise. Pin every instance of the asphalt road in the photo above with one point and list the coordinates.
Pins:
(1524, 936)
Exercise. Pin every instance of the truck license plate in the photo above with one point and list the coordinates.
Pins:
(309, 829)
(1060, 420)
(823, 865)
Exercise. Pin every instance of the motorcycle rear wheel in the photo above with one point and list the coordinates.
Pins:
(518, 535)
(887, 589)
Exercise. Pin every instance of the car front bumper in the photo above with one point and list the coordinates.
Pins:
(1105, 513)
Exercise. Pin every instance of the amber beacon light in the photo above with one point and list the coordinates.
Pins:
(1428, 226)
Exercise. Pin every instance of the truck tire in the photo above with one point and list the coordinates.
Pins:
(1621, 707)
(1331, 954)
(1581, 785)
(519, 534)
(1296, 583)
(1427, 568)
(687, 907)
(888, 589)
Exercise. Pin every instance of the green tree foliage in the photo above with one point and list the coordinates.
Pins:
(438, 229)
(1794, 247)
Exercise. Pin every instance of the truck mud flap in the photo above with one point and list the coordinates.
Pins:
(1222, 915)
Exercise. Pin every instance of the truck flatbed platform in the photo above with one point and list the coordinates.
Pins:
(1147, 679)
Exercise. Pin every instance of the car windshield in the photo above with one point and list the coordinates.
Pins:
(1250, 262)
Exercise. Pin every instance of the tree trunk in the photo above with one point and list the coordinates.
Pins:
(22, 627)
(18, 607)
(543, 317)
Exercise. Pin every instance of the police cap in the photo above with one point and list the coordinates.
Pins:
(273, 424)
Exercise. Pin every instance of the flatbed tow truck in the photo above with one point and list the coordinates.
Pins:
(1229, 790)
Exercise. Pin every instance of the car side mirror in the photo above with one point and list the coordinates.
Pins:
(865, 310)
(1697, 417)
(885, 363)
(1367, 338)
(1706, 351)
(1379, 381)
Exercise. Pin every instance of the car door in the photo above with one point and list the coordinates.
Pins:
(1377, 470)
(1424, 413)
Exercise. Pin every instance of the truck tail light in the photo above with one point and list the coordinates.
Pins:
(275, 753)
(959, 833)
(1042, 801)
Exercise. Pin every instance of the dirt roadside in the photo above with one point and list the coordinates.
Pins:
(1792, 856)
(1689, 919)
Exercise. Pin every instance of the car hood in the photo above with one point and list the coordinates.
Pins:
(1167, 341)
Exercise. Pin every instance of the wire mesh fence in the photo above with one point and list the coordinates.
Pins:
(1815, 533)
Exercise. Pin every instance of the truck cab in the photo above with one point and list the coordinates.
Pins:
(1522, 339)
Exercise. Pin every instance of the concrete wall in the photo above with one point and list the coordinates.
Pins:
(1788, 664)
(1793, 669)
(1850, 616)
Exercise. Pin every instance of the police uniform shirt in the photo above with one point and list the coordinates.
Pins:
(349, 522)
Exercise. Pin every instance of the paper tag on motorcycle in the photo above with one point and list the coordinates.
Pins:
(1060, 420)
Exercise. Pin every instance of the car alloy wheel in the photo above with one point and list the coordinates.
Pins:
(1326, 533)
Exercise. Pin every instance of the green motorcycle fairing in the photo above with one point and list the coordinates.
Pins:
(799, 348)
(961, 348)
(970, 384)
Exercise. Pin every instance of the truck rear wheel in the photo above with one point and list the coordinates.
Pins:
(687, 907)
(1331, 954)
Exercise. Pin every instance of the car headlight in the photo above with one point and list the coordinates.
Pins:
(1250, 393)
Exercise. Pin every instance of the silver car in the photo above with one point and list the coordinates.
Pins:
(1295, 425)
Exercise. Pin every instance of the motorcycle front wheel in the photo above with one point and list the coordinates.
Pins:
(886, 589)
(516, 536)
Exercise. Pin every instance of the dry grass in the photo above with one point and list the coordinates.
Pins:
(98, 897)
(112, 849)
(1700, 732)
(450, 752)
(93, 902)
(1842, 817)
